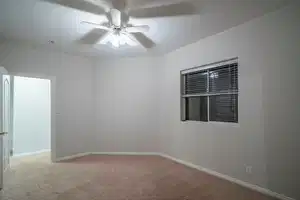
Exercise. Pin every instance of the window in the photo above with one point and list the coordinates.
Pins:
(210, 92)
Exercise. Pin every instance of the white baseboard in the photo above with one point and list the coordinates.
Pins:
(127, 153)
(72, 157)
(65, 158)
(229, 178)
(31, 153)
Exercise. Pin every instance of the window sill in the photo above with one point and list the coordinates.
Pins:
(213, 123)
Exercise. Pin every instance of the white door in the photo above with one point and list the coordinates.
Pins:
(4, 125)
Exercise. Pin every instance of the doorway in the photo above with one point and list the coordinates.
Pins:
(31, 116)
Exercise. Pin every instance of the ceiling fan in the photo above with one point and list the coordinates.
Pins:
(118, 12)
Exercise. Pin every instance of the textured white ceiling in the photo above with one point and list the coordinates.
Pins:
(38, 22)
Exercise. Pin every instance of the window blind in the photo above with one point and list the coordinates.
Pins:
(196, 83)
(223, 108)
(223, 82)
(223, 79)
(211, 94)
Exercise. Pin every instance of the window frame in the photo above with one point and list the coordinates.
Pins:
(201, 68)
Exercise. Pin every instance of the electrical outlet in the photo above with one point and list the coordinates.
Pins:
(248, 169)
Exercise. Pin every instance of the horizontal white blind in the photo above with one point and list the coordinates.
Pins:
(224, 79)
(196, 83)
(223, 108)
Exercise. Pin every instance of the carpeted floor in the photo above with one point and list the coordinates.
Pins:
(116, 178)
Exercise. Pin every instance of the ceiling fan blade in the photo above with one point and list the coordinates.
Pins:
(139, 4)
(90, 6)
(137, 29)
(94, 36)
(142, 39)
(177, 9)
(99, 26)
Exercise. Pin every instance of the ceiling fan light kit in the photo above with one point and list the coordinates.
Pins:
(118, 31)
(118, 39)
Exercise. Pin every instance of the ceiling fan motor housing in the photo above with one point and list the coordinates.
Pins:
(117, 18)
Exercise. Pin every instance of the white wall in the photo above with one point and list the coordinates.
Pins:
(32, 117)
(281, 69)
(74, 96)
(267, 136)
(127, 105)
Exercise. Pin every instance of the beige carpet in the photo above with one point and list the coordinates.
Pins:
(116, 178)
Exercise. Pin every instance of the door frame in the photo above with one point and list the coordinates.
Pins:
(52, 104)
(3, 71)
